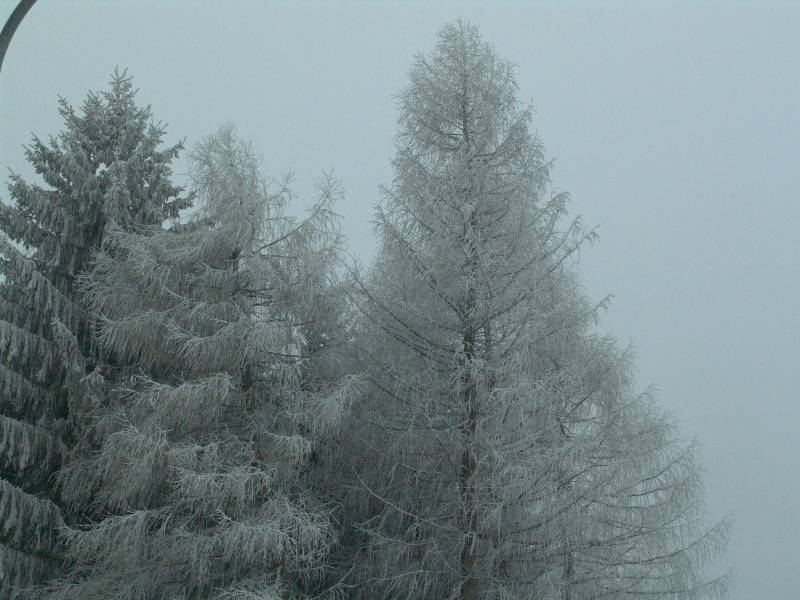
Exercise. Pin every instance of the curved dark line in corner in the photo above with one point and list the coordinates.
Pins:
(11, 26)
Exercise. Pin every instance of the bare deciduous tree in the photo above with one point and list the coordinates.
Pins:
(501, 452)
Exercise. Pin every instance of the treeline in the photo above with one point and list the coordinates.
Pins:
(211, 404)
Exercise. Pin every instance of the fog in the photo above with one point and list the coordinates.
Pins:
(676, 129)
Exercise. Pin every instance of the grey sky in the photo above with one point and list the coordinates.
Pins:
(675, 127)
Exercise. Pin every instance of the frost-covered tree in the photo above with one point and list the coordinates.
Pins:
(107, 164)
(598, 498)
(217, 332)
(501, 451)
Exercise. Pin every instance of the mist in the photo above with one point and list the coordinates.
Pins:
(675, 128)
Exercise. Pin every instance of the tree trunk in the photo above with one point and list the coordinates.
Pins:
(469, 585)
(286, 582)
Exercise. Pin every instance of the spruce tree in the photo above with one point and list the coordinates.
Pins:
(107, 164)
(501, 451)
(217, 334)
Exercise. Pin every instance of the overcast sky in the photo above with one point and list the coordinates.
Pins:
(676, 129)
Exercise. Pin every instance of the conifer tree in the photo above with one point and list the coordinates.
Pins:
(217, 331)
(501, 451)
(107, 164)
(598, 499)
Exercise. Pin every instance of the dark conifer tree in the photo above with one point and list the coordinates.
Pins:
(106, 165)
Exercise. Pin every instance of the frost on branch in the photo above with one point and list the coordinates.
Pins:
(105, 165)
(26, 448)
(501, 450)
(18, 570)
(198, 479)
(26, 522)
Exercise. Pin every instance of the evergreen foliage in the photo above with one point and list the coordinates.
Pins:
(216, 330)
(106, 165)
